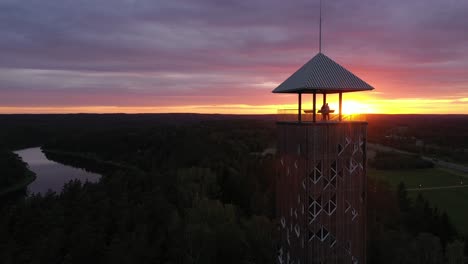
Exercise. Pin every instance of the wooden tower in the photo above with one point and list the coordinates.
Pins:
(321, 179)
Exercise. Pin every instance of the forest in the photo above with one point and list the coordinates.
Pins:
(439, 136)
(184, 189)
(395, 161)
(14, 174)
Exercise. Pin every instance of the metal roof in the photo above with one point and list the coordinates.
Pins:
(322, 75)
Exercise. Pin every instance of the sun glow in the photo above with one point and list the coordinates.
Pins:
(352, 104)
(353, 107)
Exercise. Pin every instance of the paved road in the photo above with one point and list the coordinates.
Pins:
(438, 188)
(379, 147)
(447, 165)
(437, 162)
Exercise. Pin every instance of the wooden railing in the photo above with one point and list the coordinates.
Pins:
(290, 115)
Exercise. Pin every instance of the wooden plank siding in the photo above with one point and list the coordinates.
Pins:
(321, 192)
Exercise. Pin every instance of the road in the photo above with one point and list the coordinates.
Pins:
(437, 162)
(438, 188)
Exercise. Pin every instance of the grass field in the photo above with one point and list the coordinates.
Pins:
(453, 201)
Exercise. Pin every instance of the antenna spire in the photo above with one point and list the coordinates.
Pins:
(320, 28)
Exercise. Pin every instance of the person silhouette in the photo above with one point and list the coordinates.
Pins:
(325, 110)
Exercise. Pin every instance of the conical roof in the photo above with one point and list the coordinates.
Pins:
(323, 75)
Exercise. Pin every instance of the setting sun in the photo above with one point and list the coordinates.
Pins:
(354, 107)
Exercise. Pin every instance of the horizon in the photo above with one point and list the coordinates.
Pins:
(226, 58)
(209, 114)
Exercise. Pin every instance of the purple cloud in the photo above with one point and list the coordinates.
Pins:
(131, 52)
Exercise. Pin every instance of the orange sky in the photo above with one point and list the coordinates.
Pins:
(353, 104)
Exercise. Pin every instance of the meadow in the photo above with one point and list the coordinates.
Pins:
(451, 200)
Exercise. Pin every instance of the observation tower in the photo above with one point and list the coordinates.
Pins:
(321, 176)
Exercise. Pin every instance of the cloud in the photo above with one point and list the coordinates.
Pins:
(127, 51)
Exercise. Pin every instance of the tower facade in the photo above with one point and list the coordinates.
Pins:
(321, 176)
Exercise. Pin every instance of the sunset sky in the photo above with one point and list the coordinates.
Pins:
(212, 56)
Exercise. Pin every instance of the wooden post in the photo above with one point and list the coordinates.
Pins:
(324, 98)
(341, 103)
(299, 118)
(314, 110)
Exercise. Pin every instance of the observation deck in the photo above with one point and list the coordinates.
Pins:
(320, 75)
(292, 116)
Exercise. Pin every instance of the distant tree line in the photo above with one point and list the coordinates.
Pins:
(442, 136)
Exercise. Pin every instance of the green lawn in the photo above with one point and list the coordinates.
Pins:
(453, 201)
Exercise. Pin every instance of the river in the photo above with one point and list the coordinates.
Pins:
(51, 175)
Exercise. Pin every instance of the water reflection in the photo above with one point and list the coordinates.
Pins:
(50, 174)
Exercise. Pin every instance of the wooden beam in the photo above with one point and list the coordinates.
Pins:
(341, 108)
(314, 109)
(299, 118)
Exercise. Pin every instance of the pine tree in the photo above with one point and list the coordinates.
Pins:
(403, 200)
